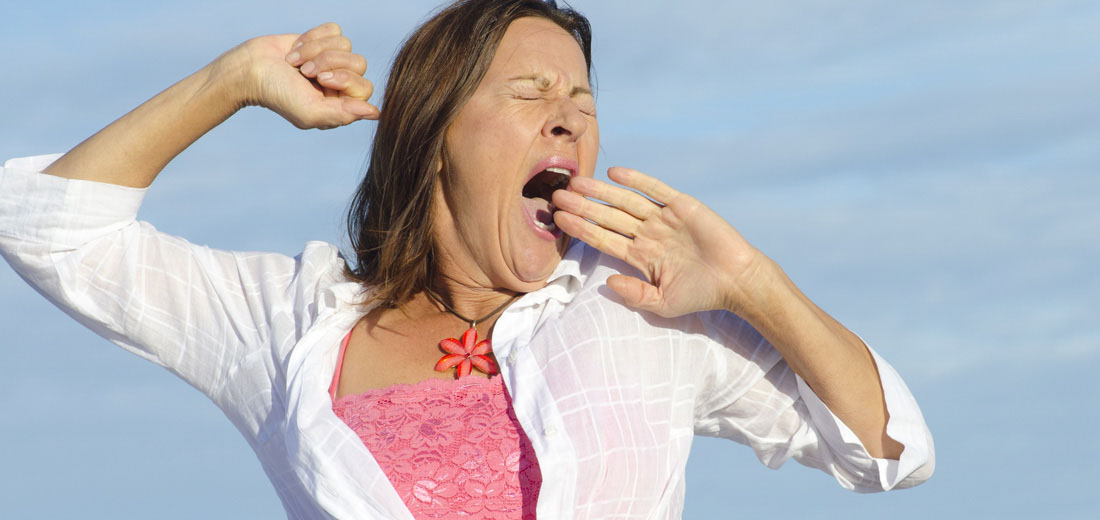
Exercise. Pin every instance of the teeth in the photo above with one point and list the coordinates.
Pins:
(548, 227)
(562, 171)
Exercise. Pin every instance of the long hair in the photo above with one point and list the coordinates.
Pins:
(437, 70)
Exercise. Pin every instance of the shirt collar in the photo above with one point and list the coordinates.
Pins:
(570, 265)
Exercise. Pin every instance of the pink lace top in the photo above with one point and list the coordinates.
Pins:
(451, 449)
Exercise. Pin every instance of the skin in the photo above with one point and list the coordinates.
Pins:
(692, 259)
(533, 103)
(132, 150)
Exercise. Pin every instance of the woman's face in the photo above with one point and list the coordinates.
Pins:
(532, 111)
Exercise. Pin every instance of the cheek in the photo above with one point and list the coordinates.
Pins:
(591, 150)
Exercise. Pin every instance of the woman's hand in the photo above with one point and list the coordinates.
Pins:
(693, 260)
(313, 80)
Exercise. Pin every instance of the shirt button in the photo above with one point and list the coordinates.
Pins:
(512, 357)
(550, 432)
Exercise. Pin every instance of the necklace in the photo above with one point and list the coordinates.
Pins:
(467, 353)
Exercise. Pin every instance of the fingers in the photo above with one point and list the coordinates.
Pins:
(650, 186)
(307, 52)
(624, 213)
(609, 242)
(606, 216)
(334, 112)
(360, 108)
(616, 227)
(346, 84)
(324, 55)
(624, 199)
(326, 38)
(332, 60)
(324, 30)
(602, 227)
(636, 293)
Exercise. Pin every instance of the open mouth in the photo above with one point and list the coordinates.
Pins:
(542, 186)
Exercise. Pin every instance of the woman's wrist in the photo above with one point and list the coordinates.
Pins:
(757, 286)
(232, 81)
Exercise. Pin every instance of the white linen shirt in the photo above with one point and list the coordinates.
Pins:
(609, 397)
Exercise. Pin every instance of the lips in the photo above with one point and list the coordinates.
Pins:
(551, 173)
(562, 164)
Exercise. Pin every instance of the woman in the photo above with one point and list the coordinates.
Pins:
(345, 381)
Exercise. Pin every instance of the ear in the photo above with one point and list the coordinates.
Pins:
(440, 161)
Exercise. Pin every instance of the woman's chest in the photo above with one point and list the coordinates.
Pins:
(382, 353)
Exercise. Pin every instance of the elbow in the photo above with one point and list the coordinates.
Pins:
(887, 448)
(917, 466)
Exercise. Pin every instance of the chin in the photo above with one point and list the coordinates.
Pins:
(534, 266)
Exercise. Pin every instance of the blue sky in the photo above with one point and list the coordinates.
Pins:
(927, 172)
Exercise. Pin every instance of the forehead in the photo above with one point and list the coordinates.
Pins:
(538, 46)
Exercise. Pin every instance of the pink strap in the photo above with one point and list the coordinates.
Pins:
(339, 366)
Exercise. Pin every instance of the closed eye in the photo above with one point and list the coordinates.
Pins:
(585, 107)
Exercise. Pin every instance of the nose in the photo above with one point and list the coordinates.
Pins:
(566, 122)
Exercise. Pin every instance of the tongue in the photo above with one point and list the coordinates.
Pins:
(540, 210)
(542, 186)
(545, 217)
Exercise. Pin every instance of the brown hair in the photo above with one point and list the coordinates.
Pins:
(434, 74)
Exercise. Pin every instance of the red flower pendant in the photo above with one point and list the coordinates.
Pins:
(466, 354)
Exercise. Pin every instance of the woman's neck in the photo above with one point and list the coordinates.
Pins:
(467, 300)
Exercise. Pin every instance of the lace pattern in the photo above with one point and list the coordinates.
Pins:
(451, 449)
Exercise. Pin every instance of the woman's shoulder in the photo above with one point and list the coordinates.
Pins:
(323, 277)
(321, 257)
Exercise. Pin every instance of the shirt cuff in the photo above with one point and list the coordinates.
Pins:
(65, 213)
(857, 469)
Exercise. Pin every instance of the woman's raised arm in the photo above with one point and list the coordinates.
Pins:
(313, 80)
(696, 261)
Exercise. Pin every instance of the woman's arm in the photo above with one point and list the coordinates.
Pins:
(313, 80)
(830, 358)
(197, 311)
(695, 261)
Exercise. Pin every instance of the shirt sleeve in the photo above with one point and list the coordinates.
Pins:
(750, 395)
(194, 310)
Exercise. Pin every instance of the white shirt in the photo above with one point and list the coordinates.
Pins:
(609, 397)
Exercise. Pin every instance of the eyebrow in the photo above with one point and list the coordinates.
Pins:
(542, 83)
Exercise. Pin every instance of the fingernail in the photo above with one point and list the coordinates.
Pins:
(324, 76)
(364, 111)
(296, 45)
(292, 57)
(308, 67)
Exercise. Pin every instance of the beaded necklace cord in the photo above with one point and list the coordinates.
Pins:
(467, 353)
